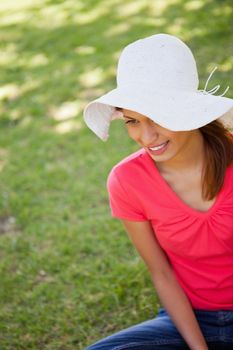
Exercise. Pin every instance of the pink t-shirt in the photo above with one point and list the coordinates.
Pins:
(198, 244)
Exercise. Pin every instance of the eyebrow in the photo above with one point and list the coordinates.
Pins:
(126, 116)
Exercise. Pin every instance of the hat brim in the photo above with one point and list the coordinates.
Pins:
(171, 109)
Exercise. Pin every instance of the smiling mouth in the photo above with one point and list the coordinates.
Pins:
(156, 148)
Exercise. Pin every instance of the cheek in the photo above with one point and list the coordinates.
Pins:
(132, 134)
(174, 146)
(178, 144)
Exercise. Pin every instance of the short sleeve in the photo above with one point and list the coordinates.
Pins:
(122, 203)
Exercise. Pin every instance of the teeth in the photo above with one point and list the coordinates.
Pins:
(158, 147)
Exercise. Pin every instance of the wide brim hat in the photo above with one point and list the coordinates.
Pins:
(157, 77)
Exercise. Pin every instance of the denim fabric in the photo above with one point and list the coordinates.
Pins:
(161, 334)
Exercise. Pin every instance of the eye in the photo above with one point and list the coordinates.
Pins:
(131, 121)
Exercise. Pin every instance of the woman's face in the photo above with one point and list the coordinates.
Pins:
(161, 144)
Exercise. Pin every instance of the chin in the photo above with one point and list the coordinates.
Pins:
(162, 158)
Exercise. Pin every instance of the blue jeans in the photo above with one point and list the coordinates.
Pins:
(161, 334)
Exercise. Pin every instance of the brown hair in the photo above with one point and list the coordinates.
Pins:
(218, 143)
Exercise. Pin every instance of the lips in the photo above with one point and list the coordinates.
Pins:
(158, 147)
(158, 150)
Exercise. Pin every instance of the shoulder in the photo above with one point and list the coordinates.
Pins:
(130, 159)
(122, 185)
(130, 162)
(127, 167)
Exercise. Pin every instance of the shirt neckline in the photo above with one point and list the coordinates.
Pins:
(180, 202)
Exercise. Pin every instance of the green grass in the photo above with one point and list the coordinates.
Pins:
(69, 274)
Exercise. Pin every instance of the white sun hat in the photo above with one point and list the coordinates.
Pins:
(157, 77)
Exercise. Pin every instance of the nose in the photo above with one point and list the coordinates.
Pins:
(148, 134)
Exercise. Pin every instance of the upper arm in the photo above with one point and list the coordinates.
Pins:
(123, 203)
(144, 240)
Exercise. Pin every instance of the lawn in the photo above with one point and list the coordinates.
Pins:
(69, 274)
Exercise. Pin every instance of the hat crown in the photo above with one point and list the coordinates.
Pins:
(159, 61)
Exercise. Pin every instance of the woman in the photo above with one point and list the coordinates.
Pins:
(175, 195)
